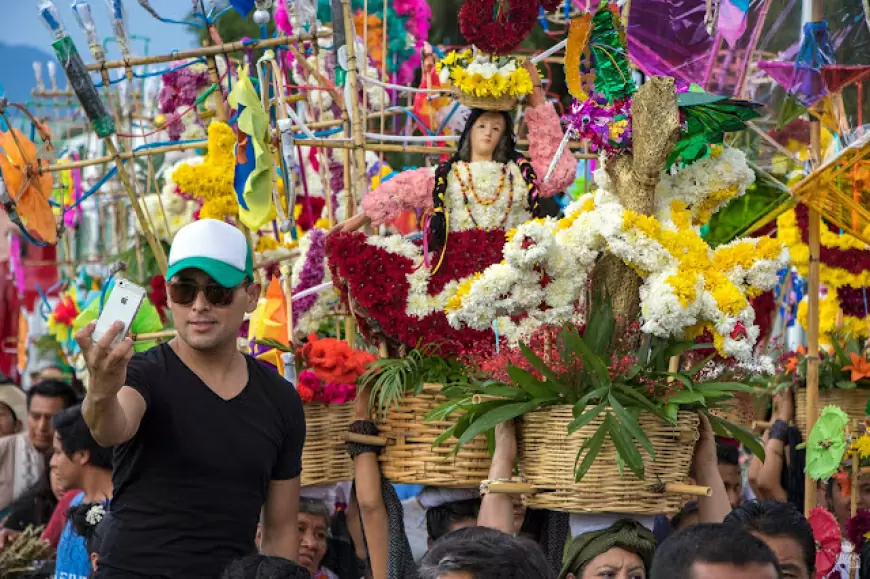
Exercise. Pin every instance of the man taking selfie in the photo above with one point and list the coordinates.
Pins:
(206, 437)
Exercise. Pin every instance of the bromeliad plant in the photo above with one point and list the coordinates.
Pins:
(598, 380)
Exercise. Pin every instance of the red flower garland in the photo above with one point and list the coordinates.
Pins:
(504, 34)
(377, 280)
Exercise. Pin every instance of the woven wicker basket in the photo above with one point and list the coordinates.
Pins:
(324, 458)
(505, 103)
(852, 402)
(741, 410)
(409, 456)
(547, 456)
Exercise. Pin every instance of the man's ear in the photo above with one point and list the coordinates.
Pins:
(253, 294)
(81, 457)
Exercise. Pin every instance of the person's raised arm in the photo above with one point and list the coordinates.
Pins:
(369, 496)
(767, 476)
(111, 409)
(705, 467)
(497, 510)
(280, 520)
(545, 135)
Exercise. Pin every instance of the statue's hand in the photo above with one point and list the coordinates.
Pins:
(353, 224)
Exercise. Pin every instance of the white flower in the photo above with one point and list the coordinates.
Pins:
(95, 514)
(444, 75)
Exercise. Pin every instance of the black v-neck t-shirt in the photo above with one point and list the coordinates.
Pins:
(190, 485)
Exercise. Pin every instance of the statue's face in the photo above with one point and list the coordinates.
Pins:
(485, 135)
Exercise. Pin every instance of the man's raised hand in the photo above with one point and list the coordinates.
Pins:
(107, 365)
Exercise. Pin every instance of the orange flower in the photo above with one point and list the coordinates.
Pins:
(860, 367)
(793, 361)
(334, 361)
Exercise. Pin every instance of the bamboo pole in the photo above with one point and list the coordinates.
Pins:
(207, 51)
(358, 117)
(813, 289)
(327, 143)
(129, 188)
(522, 488)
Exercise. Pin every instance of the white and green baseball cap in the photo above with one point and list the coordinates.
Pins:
(214, 247)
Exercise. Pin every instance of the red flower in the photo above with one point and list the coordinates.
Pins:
(739, 331)
(504, 34)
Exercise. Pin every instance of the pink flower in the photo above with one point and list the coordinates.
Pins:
(338, 393)
(309, 386)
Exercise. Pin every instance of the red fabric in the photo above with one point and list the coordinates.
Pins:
(58, 519)
(8, 321)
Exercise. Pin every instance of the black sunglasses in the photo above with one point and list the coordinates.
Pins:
(184, 293)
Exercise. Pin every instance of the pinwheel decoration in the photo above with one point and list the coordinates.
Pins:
(826, 532)
(25, 190)
(827, 443)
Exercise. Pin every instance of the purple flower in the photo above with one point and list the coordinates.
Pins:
(312, 273)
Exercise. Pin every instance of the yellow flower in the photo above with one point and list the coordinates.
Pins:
(617, 128)
(457, 77)
(862, 446)
(521, 83)
(266, 243)
(498, 85)
(455, 302)
(474, 84)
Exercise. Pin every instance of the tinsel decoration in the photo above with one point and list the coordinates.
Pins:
(578, 40)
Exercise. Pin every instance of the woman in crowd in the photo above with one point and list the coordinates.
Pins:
(624, 550)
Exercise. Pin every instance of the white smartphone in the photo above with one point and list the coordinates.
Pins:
(122, 306)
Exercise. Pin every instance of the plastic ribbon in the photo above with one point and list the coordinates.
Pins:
(578, 39)
(612, 74)
(119, 26)
(37, 73)
(82, 12)
(52, 21)
(257, 188)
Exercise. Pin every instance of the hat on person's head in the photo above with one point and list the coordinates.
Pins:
(15, 398)
(214, 247)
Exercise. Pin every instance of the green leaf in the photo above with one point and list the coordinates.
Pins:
(445, 436)
(625, 447)
(585, 418)
(597, 394)
(495, 417)
(553, 379)
(745, 437)
(638, 398)
(677, 348)
(531, 385)
(502, 390)
(844, 359)
(591, 362)
(599, 325)
(672, 412)
(630, 424)
(442, 411)
(846, 385)
(726, 387)
(592, 447)
(686, 397)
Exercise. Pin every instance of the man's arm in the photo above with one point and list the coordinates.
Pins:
(280, 520)
(115, 419)
(112, 410)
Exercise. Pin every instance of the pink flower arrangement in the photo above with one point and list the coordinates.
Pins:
(313, 389)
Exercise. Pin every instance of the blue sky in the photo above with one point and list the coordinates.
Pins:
(21, 25)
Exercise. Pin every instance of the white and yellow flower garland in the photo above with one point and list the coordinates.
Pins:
(688, 287)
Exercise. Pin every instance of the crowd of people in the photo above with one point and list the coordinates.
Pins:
(184, 462)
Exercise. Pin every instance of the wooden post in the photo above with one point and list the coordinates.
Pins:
(159, 255)
(357, 114)
(813, 291)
